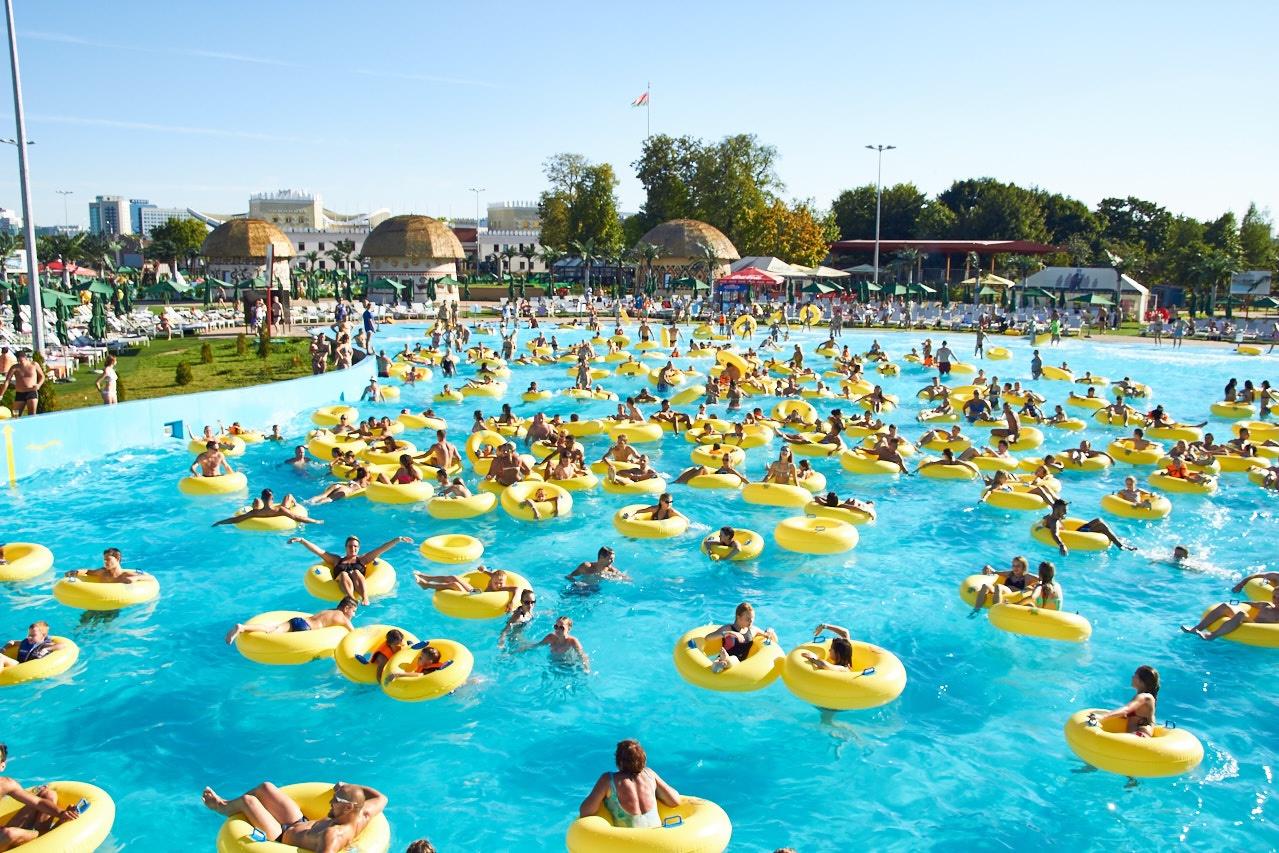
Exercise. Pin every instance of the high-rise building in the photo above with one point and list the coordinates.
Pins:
(135, 214)
(109, 215)
(151, 216)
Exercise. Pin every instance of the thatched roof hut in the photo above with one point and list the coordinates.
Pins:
(244, 239)
(683, 241)
(415, 237)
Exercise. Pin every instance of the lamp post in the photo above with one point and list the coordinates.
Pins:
(477, 226)
(28, 225)
(879, 194)
(66, 217)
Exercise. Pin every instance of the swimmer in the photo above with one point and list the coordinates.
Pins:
(111, 572)
(738, 638)
(563, 646)
(496, 581)
(35, 646)
(350, 567)
(38, 810)
(592, 572)
(722, 539)
(1249, 612)
(211, 462)
(338, 617)
(428, 660)
(1052, 523)
(271, 811)
(1017, 579)
(1140, 712)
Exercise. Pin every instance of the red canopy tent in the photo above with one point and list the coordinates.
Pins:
(72, 269)
(750, 275)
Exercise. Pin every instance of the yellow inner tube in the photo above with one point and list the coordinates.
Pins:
(379, 579)
(54, 663)
(694, 826)
(694, 655)
(222, 484)
(636, 522)
(805, 535)
(776, 494)
(1108, 746)
(364, 642)
(875, 678)
(312, 798)
(452, 548)
(90, 593)
(749, 543)
(25, 560)
(288, 648)
(1159, 507)
(450, 508)
(481, 605)
(458, 662)
(557, 500)
(1037, 622)
(1071, 536)
(82, 835)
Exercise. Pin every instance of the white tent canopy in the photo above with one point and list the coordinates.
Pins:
(768, 264)
(1133, 296)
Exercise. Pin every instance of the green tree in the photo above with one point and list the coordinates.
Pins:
(550, 257)
(734, 182)
(792, 232)
(1134, 221)
(987, 209)
(580, 204)
(589, 252)
(1223, 235)
(936, 221)
(901, 209)
(1065, 218)
(67, 248)
(177, 239)
(100, 251)
(9, 245)
(667, 168)
(1256, 240)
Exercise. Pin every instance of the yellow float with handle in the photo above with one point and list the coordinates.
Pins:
(24, 560)
(636, 433)
(290, 648)
(54, 663)
(1017, 497)
(85, 834)
(861, 461)
(691, 394)
(322, 444)
(1029, 439)
(1033, 621)
(1162, 480)
(750, 545)
(314, 801)
(278, 523)
(875, 678)
(714, 481)
(1058, 374)
(1159, 507)
(776, 494)
(535, 396)
(998, 354)
(412, 420)
(1081, 402)
(744, 327)
(957, 445)
(694, 826)
(482, 438)
(1249, 633)
(1233, 411)
(630, 368)
(327, 416)
(810, 314)
(1122, 450)
(817, 509)
(1175, 432)
(399, 493)
(557, 501)
(713, 458)
(1248, 349)
(803, 408)
(492, 389)
(222, 484)
(478, 605)
(963, 367)
(814, 482)
(972, 586)
(89, 593)
(1107, 745)
(957, 470)
(1071, 536)
(362, 643)
(994, 463)
(1259, 430)
(623, 486)
(1087, 464)
(451, 396)
(450, 508)
(580, 483)
(814, 535)
(581, 429)
(636, 522)
(230, 445)
(379, 579)
(1233, 463)
(457, 663)
(1259, 589)
(694, 655)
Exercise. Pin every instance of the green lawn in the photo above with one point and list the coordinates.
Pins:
(152, 372)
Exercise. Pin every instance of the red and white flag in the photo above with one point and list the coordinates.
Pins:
(641, 101)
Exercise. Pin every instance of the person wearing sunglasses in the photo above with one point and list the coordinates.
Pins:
(280, 819)
(519, 618)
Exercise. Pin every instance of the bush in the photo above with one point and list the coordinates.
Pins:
(183, 376)
(206, 353)
(266, 372)
(48, 397)
(241, 344)
(298, 362)
(264, 341)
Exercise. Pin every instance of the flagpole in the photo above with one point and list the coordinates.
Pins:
(648, 111)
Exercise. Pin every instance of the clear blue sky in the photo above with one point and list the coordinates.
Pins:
(407, 103)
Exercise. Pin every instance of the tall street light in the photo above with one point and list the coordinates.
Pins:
(66, 217)
(28, 223)
(879, 195)
(477, 226)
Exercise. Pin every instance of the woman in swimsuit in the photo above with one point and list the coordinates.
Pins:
(1017, 579)
(403, 475)
(563, 646)
(1140, 712)
(496, 583)
(841, 649)
(664, 509)
(783, 470)
(1047, 594)
(337, 491)
(631, 794)
(738, 638)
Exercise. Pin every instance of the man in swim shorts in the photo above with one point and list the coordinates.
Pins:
(279, 818)
(27, 378)
(1052, 523)
(349, 568)
(592, 572)
(211, 462)
(340, 615)
(1254, 612)
(944, 356)
(38, 813)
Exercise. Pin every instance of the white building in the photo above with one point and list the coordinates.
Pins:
(109, 214)
(1083, 281)
(149, 216)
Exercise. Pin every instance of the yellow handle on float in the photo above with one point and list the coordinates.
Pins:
(8, 453)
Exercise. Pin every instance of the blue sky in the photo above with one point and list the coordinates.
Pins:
(407, 104)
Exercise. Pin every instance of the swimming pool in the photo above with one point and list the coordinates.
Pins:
(971, 754)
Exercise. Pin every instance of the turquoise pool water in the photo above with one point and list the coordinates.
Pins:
(972, 754)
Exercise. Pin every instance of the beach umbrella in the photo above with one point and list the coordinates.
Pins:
(15, 302)
(98, 322)
(945, 295)
(430, 289)
(62, 312)
(1266, 302)
(1093, 299)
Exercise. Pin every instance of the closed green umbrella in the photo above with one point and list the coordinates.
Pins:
(60, 325)
(15, 302)
(430, 289)
(98, 322)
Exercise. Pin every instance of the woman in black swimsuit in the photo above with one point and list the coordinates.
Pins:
(1140, 712)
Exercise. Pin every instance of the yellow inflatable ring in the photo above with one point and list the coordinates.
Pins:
(25, 560)
(817, 509)
(1069, 423)
(744, 327)
(956, 445)
(289, 648)
(1071, 536)
(458, 662)
(452, 396)
(972, 585)
(801, 407)
(876, 677)
(694, 654)
(1161, 480)
(956, 470)
(1089, 464)
(1159, 507)
(1122, 451)
(636, 433)
(1260, 430)
(994, 463)
(236, 834)
(636, 522)
(222, 484)
(534, 396)
(1108, 746)
(558, 501)
(1056, 373)
(493, 389)
(480, 605)
(1092, 403)
(231, 445)
(580, 429)
(1249, 633)
(810, 314)
(998, 354)
(630, 368)
(689, 395)
(749, 543)
(694, 826)
(363, 642)
(399, 493)
(454, 508)
(82, 835)
(714, 481)
(776, 494)
(860, 461)
(89, 593)
(322, 444)
(1037, 622)
(703, 455)
(651, 486)
(54, 663)
(812, 535)
(1176, 432)
(379, 579)
(452, 548)
(1233, 411)
(327, 416)
(1029, 440)
(1248, 349)
(483, 438)
(1233, 463)
(580, 483)
(1016, 498)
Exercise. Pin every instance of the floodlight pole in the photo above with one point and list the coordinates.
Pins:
(879, 194)
(28, 224)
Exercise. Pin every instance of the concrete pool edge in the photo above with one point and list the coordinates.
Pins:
(52, 440)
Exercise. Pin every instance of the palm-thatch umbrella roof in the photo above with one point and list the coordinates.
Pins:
(412, 236)
(246, 238)
(688, 238)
